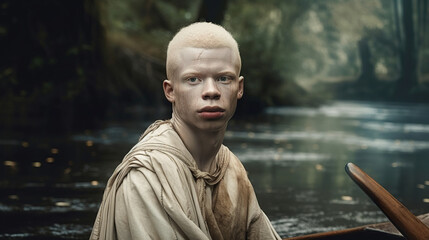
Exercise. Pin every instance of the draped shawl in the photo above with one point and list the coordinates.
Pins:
(158, 192)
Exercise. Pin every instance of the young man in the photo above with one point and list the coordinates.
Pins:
(179, 181)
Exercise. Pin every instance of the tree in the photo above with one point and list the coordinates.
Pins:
(411, 36)
(367, 76)
(407, 49)
(213, 11)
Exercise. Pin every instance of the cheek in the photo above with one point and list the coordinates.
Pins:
(185, 101)
(230, 94)
(232, 100)
(233, 103)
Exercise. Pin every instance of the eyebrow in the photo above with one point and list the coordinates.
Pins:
(194, 72)
(227, 73)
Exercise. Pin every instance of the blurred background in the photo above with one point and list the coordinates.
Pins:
(326, 83)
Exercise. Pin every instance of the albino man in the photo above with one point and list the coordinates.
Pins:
(179, 181)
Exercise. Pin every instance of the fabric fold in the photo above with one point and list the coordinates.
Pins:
(159, 171)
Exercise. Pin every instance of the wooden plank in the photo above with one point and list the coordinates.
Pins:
(322, 235)
(358, 233)
(408, 224)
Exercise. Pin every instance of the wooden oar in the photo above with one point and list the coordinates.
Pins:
(408, 224)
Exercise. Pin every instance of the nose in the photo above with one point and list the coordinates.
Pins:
(211, 90)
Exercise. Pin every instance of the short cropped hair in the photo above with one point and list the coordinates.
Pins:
(199, 35)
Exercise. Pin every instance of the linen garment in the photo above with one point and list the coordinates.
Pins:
(157, 192)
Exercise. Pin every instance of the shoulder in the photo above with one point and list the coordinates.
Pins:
(158, 129)
(235, 164)
(159, 145)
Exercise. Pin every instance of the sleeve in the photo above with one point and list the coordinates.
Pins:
(138, 212)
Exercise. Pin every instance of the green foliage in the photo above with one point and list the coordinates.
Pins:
(288, 47)
(50, 52)
(260, 27)
(71, 58)
(263, 30)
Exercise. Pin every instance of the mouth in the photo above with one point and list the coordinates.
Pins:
(211, 109)
(211, 112)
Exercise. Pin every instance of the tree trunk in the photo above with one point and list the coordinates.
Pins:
(421, 34)
(399, 34)
(212, 11)
(409, 61)
(367, 76)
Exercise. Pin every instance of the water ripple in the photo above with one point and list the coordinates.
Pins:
(356, 110)
(267, 154)
(337, 137)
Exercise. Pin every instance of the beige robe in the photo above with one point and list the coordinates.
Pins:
(157, 192)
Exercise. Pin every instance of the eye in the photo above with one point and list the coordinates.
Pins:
(192, 80)
(225, 79)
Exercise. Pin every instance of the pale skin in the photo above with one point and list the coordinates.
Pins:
(204, 92)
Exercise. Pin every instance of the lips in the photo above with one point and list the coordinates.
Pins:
(211, 109)
(211, 112)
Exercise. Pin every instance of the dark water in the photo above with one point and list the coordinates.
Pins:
(51, 186)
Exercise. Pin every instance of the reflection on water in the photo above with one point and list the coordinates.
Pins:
(51, 186)
(296, 157)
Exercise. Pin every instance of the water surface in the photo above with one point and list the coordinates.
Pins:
(51, 186)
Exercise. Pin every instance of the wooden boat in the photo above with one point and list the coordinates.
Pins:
(384, 231)
(403, 224)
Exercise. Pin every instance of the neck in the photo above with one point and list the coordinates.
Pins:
(203, 145)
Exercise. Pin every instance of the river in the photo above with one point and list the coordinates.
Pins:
(51, 186)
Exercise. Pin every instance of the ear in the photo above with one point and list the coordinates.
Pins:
(240, 87)
(167, 85)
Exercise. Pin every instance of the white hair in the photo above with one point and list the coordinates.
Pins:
(199, 35)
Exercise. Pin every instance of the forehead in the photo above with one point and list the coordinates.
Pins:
(198, 54)
(189, 56)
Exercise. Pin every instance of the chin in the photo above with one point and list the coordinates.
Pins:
(213, 125)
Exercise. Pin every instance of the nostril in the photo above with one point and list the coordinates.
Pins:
(211, 91)
(215, 96)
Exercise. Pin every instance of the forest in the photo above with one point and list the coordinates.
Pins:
(71, 64)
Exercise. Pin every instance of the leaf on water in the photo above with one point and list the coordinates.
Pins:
(62, 204)
(346, 198)
(10, 163)
(37, 164)
(89, 143)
